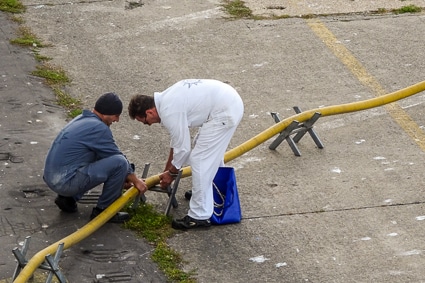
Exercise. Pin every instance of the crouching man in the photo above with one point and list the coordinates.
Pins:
(85, 155)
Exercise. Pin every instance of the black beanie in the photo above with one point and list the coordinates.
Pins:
(109, 104)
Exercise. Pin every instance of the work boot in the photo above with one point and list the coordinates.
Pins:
(66, 204)
(188, 194)
(120, 217)
(188, 222)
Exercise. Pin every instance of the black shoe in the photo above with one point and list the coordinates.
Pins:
(120, 217)
(188, 222)
(66, 204)
(188, 194)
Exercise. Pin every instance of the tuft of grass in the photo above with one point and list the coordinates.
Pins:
(54, 75)
(281, 17)
(26, 38)
(71, 104)
(168, 261)
(237, 9)
(41, 58)
(12, 6)
(156, 229)
(74, 112)
(408, 9)
(381, 11)
(148, 223)
(56, 78)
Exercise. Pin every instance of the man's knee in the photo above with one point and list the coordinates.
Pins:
(119, 164)
(100, 171)
(115, 161)
(118, 159)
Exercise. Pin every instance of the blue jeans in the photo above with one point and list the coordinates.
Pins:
(111, 171)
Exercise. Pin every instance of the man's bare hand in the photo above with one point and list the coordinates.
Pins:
(136, 182)
(141, 186)
(128, 185)
(165, 180)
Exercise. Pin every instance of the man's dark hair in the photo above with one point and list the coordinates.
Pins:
(139, 104)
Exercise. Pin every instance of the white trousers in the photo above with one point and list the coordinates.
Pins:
(207, 155)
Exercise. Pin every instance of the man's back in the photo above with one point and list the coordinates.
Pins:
(196, 99)
(82, 141)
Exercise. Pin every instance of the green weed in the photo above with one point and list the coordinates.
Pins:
(237, 9)
(381, 11)
(53, 75)
(56, 78)
(408, 9)
(169, 261)
(156, 229)
(63, 99)
(12, 6)
(41, 58)
(149, 224)
(26, 38)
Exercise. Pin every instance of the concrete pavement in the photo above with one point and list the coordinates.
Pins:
(351, 212)
(29, 121)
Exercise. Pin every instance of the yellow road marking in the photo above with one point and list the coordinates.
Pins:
(348, 59)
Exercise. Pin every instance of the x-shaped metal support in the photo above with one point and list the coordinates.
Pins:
(297, 128)
(52, 263)
(171, 191)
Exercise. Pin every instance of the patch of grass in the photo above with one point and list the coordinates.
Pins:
(408, 9)
(56, 78)
(68, 102)
(54, 75)
(281, 17)
(26, 38)
(237, 9)
(149, 224)
(381, 11)
(12, 6)
(41, 58)
(168, 261)
(75, 112)
(156, 228)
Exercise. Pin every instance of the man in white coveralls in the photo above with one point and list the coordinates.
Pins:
(216, 109)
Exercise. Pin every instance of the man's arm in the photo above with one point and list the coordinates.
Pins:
(170, 172)
(169, 166)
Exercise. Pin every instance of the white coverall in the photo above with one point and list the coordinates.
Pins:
(216, 108)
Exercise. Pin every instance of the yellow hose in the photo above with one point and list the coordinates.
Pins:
(130, 194)
(325, 111)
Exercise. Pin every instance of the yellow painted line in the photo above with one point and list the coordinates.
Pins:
(348, 59)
